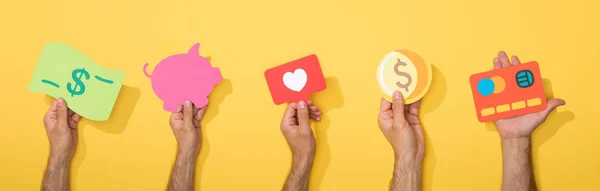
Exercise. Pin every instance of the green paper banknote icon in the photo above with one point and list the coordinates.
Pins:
(89, 89)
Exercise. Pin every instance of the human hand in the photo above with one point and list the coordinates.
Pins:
(524, 125)
(61, 127)
(402, 128)
(185, 123)
(296, 128)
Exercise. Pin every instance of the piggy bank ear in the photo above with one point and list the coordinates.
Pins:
(195, 49)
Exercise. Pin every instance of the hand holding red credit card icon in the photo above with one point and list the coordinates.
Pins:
(296, 80)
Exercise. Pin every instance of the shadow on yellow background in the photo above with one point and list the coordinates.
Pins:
(216, 98)
(436, 93)
(327, 100)
(431, 101)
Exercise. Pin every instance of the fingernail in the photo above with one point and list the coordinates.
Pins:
(188, 104)
(60, 102)
(396, 95)
(301, 104)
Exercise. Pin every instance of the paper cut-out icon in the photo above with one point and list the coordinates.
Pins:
(406, 72)
(296, 80)
(508, 92)
(89, 89)
(183, 77)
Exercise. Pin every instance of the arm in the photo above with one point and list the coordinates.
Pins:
(296, 130)
(61, 128)
(405, 178)
(185, 123)
(57, 174)
(182, 177)
(516, 165)
(517, 169)
(297, 180)
(401, 126)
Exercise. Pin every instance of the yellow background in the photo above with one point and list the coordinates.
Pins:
(243, 147)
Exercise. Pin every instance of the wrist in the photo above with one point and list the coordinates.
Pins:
(508, 138)
(302, 161)
(302, 157)
(59, 161)
(406, 168)
(60, 156)
(516, 141)
(187, 155)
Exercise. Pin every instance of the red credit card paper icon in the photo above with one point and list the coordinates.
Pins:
(508, 92)
(295, 81)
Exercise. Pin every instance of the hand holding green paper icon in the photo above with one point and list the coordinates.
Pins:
(89, 89)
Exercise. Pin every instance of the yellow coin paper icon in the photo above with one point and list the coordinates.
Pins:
(406, 72)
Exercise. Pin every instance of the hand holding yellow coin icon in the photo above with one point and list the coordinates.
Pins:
(406, 72)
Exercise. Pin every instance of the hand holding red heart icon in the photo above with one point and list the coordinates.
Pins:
(296, 80)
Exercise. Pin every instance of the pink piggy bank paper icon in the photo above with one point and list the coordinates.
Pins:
(183, 77)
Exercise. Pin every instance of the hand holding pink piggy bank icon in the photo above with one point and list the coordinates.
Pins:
(183, 77)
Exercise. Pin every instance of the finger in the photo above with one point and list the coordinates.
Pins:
(497, 64)
(503, 59)
(195, 109)
(200, 113)
(51, 113)
(313, 108)
(73, 119)
(303, 116)
(515, 60)
(315, 117)
(290, 112)
(62, 111)
(415, 108)
(72, 125)
(76, 117)
(317, 113)
(553, 104)
(398, 108)
(188, 115)
(179, 108)
(385, 105)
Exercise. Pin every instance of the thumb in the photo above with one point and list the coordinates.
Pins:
(303, 116)
(551, 105)
(398, 108)
(188, 114)
(62, 112)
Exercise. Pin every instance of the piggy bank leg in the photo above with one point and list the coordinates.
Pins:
(200, 102)
(172, 107)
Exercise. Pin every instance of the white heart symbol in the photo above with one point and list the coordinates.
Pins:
(295, 81)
